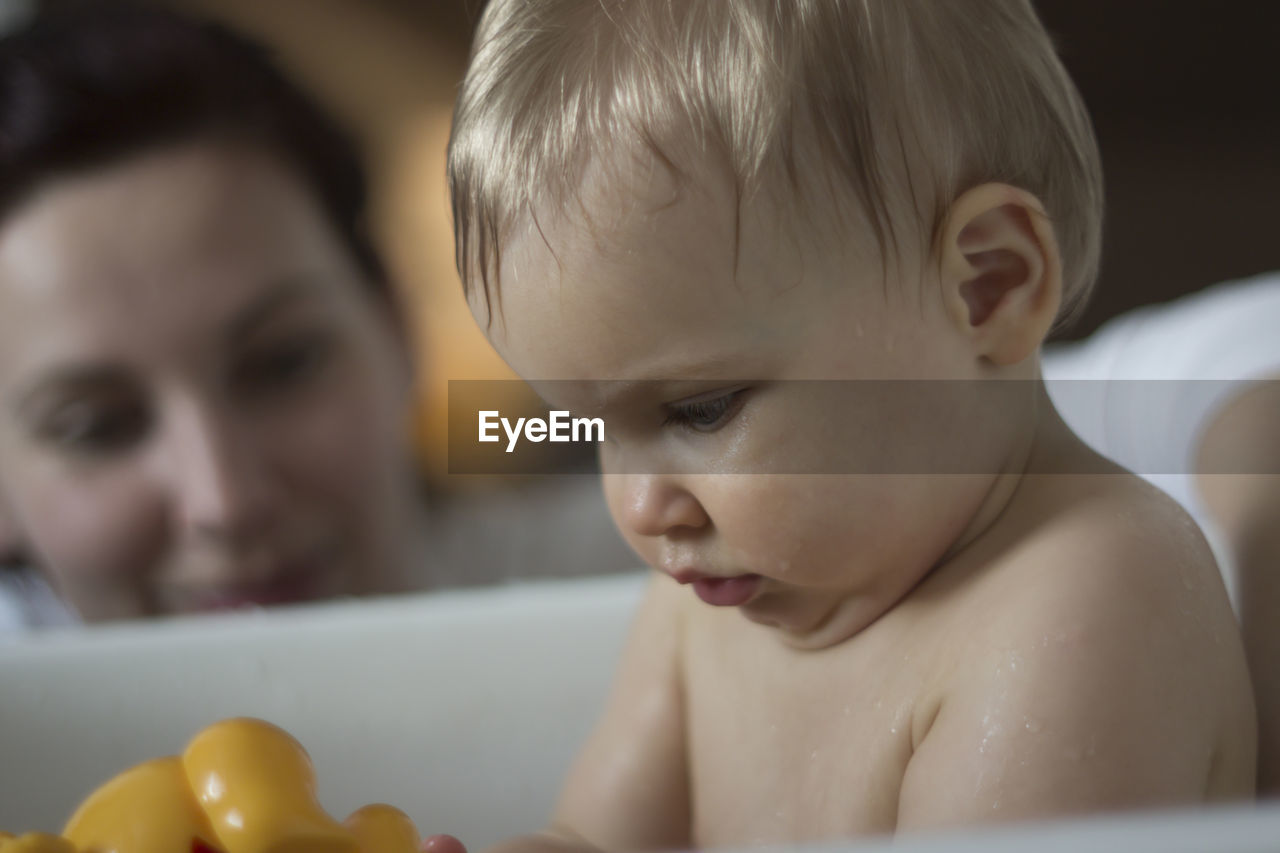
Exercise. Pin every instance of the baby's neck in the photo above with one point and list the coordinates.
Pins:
(1044, 447)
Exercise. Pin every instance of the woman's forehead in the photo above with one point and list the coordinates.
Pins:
(155, 253)
(178, 216)
(162, 202)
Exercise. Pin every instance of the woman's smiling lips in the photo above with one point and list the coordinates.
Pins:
(289, 583)
(720, 591)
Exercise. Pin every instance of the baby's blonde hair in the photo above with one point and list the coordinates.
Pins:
(970, 88)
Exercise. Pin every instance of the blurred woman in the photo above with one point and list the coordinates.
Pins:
(205, 385)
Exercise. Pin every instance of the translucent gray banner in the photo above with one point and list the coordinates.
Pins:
(839, 427)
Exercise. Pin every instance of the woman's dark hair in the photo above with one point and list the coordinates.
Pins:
(83, 84)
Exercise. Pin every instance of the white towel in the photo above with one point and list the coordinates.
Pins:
(1143, 388)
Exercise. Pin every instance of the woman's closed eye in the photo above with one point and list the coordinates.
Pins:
(95, 427)
(284, 364)
(706, 413)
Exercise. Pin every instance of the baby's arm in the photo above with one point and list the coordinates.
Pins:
(1104, 689)
(628, 789)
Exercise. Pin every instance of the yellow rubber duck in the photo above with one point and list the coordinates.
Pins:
(241, 786)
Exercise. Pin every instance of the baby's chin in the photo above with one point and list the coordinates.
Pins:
(810, 619)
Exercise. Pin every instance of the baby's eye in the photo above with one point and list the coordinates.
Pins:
(96, 428)
(706, 414)
(283, 365)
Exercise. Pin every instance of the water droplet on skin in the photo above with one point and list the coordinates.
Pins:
(1033, 726)
(893, 730)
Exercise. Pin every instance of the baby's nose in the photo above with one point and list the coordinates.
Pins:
(656, 505)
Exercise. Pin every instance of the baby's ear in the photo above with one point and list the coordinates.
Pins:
(1001, 272)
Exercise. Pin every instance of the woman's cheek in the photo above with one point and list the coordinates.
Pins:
(335, 450)
(105, 534)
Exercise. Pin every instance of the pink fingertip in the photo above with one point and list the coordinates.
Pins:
(442, 844)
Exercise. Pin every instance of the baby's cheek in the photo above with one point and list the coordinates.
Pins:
(786, 525)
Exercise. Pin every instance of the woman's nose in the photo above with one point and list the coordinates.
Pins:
(656, 505)
(220, 487)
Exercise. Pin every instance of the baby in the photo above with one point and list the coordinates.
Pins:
(904, 595)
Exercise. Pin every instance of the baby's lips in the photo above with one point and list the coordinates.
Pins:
(146, 809)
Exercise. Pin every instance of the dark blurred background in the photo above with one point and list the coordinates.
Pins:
(1185, 95)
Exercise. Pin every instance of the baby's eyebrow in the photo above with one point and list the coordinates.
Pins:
(672, 369)
(628, 392)
(664, 379)
(614, 392)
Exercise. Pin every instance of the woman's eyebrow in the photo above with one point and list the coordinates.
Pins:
(85, 377)
(68, 378)
(279, 297)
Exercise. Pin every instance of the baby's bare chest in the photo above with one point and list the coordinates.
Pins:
(792, 747)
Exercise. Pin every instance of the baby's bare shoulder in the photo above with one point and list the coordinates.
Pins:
(1111, 547)
(1114, 566)
(1101, 668)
